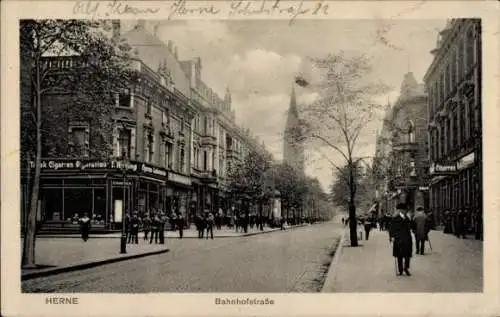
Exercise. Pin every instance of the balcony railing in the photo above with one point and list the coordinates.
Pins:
(207, 140)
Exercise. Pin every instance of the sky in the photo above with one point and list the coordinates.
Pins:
(258, 59)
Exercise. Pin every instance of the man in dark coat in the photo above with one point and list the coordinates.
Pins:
(420, 229)
(400, 235)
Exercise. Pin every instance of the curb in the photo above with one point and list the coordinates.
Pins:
(176, 237)
(86, 265)
(331, 275)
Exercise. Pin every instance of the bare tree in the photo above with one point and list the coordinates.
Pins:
(338, 118)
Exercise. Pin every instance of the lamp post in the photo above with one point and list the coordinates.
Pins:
(123, 239)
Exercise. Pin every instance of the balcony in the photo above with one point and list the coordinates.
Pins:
(209, 176)
(208, 140)
(405, 147)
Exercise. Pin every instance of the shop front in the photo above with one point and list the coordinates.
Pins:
(455, 187)
(179, 196)
(104, 190)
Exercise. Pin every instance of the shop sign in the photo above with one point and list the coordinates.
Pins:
(437, 169)
(177, 178)
(71, 165)
(153, 170)
(423, 188)
(466, 161)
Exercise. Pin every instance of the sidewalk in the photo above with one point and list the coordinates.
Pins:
(63, 255)
(188, 233)
(454, 265)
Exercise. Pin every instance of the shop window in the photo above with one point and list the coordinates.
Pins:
(124, 143)
(79, 141)
(124, 99)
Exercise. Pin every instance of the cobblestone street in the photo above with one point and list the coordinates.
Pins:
(290, 261)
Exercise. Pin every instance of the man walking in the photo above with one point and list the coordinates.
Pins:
(85, 226)
(420, 229)
(210, 224)
(400, 235)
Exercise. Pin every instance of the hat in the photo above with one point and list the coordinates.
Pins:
(420, 208)
(401, 206)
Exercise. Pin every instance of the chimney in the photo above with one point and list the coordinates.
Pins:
(115, 27)
(169, 46)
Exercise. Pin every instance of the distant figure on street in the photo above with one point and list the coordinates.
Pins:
(210, 224)
(420, 229)
(146, 226)
(343, 221)
(84, 226)
(236, 222)
(180, 224)
(134, 229)
(368, 226)
(400, 235)
(200, 226)
(155, 223)
(282, 223)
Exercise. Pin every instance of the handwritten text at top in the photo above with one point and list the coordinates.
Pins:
(292, 10)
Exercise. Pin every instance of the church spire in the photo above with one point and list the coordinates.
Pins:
(293, 103)
(227, 97)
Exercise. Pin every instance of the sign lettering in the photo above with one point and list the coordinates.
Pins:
(442, 169)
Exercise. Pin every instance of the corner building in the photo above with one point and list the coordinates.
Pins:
(169, 145)
(453, 83)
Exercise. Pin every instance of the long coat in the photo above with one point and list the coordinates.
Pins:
(400, 230)
(421, 226)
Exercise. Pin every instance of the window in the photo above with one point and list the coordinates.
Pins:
(165, 122)
(124, 99)
(149, 106)
(471, 113)
(410, 132)
(124, 142)
(182, 161)
(470, 49)
(413, 171)
(205, 160)
(167, 156)
(79, 141)
(461, 54)
(463, 118)
(149, 147)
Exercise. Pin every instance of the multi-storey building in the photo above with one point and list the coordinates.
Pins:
(409, 172)
(401, 153)
(453, 83)
(169, 145)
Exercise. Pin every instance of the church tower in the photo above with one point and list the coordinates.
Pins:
(293, 147)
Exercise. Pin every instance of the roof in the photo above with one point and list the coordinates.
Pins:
(153, 51)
